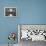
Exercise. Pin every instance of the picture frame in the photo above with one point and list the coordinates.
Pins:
(10, 11)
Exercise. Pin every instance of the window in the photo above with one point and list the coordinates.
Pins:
(10, 11)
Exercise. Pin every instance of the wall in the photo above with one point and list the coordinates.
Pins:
(28, 12)
(7, 24)
(33, 12)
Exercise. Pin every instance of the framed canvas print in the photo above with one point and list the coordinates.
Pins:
(32, 32)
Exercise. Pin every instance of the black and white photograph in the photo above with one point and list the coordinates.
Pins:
(10, 11)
